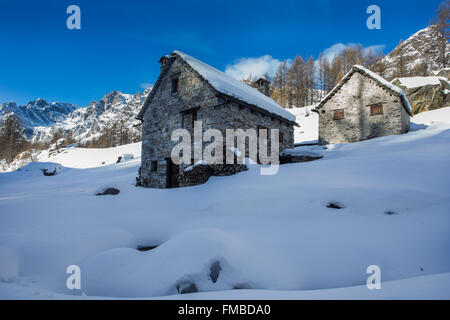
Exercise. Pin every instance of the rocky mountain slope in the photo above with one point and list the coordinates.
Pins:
(85, 124)
(417, 56)
(37, 113)
(42, 119)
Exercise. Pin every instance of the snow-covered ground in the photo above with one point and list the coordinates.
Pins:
(271, 235)
(308, 132)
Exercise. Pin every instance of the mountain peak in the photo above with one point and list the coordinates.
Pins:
(416, 56)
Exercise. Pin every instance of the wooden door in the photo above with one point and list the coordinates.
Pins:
(172, 173)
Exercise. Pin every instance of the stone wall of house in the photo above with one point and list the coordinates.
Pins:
(165, 114)
(355, 97)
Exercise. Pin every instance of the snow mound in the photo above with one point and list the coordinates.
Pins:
(416, 82)
(33, 168)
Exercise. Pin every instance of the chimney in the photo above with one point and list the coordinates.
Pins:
(263, 85)
(164, 61)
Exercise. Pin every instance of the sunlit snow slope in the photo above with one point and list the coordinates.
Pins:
(273, 235)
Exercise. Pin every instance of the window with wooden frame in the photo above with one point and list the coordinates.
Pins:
(376, 109)
(338, 114)
(175, 85)
(188, 118)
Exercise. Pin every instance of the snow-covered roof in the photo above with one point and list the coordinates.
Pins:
(232, 87)
(415, 82)
(374, 76)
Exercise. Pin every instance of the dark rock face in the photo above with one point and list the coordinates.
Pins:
(335, 205)
(186, 287)
(427, 97)
(48, 173)
(109, 191)
(215, 271)
(242, 286)
(298, 159)
(145, 248)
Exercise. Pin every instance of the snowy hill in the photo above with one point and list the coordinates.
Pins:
(421, 48)
(272, 236)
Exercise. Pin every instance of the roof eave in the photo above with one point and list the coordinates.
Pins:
(252, 106)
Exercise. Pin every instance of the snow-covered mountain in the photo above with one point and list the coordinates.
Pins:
(37, 113)
(42, 119)
(90, 122)
(422, 48)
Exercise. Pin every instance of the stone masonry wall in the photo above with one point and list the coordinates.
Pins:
(232, 115)
(355, 97)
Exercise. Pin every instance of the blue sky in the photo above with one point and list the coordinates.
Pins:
(120, 42)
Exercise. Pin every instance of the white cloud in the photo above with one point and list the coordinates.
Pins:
(337, 48)
(145, 85)
(332, 51)
(257, 67)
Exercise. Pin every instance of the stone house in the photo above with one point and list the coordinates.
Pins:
(189, 90)
(362, 106)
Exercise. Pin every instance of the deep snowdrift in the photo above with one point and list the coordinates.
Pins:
(265, 232)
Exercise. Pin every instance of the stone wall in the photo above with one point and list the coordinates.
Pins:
(355, 97)
(229, 115)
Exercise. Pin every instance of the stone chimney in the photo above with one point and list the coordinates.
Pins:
(263, 85)
(164, 61)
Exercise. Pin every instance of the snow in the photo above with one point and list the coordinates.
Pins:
(82, 158)
(436, 72)
(235, 88)
(272, 234)
(433, 287)
(198, 163)
(308, 132)
(415, 82)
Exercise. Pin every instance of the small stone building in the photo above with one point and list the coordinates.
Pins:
(362, 106)
(189, 90)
